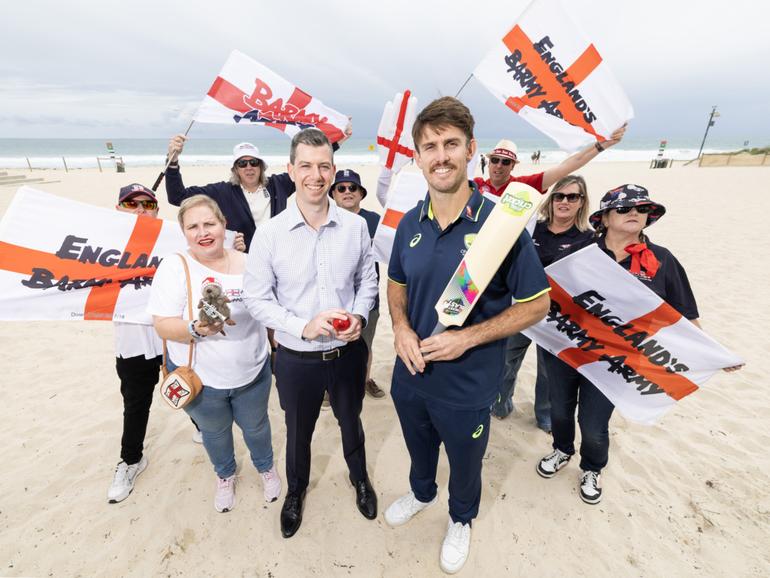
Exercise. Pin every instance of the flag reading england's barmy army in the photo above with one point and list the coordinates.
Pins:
(549, 73)
(247, 92)
(637, 349)
(64, 260)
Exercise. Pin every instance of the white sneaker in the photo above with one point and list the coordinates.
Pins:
(457, 544)
(552, 463)
(271, 484)
(224, 499)
(404, 509)
(590, 487)
(123, 482)
(197, 436)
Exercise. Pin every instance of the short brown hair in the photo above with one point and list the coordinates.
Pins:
(196, 200)
(441, 113)
(311, 137)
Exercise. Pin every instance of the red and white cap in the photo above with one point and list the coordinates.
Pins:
(506, 149)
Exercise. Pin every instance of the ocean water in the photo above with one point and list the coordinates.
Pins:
(83, 153)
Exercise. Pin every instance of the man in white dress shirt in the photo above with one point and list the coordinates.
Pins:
(310, 276)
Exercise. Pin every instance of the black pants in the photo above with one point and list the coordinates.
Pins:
(301, 385)
(138, 378)
(568, 390)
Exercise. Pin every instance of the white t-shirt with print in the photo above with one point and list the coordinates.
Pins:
(221, 361)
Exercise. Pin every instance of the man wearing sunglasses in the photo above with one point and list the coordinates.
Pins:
(348, 193)
(248, 198)
(504, 157)
(138, 354)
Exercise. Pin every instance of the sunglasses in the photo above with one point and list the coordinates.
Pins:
(243, 163)
(504, 162)
(352, 187)
(571, 197)
(132, 204)
(642, 209)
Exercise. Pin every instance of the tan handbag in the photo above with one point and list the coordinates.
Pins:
(179, 387)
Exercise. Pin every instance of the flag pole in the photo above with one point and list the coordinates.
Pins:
(464, 83)
(168, 162)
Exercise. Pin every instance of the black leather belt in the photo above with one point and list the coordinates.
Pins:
(320, 355)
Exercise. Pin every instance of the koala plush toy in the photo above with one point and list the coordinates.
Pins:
(213, 306)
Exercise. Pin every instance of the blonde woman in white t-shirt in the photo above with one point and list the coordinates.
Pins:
(234, 366)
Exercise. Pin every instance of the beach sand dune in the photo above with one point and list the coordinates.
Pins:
(689, 496)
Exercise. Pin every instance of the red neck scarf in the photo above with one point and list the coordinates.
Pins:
(642, 257)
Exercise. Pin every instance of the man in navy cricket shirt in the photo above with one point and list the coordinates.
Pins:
(444, 385)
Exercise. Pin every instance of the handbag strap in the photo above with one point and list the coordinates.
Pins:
(189, 310)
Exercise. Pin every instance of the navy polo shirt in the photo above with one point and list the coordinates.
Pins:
(670, 282)
(423, 259)
(372, 220)
(550, 246)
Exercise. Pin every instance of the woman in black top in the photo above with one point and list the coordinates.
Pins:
(623, 214)
(562, 222)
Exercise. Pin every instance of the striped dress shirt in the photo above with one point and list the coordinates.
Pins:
(294, 272)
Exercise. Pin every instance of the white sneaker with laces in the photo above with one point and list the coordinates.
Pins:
(405, 508)
(271, 484)
(224, 499)
(123, 482)
(590, 487)
(457, 544)
(552, 463)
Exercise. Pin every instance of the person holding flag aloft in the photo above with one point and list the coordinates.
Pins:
(504, 157)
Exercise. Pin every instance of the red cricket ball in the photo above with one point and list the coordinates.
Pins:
(340, 324)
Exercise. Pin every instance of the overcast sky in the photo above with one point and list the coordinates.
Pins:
(138, 69)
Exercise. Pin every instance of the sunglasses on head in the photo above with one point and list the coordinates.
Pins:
(242, 163)
(643, 209)
(352, 187)
(571, 197)
(504, 162)
(133, 204)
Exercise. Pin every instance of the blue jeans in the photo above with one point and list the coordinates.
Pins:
(215, 410)
(570, 390)
(515, 349)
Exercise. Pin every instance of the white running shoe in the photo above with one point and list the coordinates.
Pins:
(271, 484)
(197, 436)
(590, 487)
(224, 499)
(552, 463)
(457, 544)
(404, 509)
(123, 482)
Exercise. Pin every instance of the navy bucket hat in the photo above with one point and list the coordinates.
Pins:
(627, 196)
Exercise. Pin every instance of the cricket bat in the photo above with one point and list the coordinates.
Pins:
(486, 253)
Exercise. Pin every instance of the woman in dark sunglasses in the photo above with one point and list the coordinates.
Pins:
(623, 215)
(562, 222)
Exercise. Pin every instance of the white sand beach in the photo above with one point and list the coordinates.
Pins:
(689, 496)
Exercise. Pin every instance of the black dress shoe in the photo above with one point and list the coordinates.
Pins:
(291, 514)
(366, 499)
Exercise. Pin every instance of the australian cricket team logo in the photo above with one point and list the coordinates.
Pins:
(468, 240)
(516, 203)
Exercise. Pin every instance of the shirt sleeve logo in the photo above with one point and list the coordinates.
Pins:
(415, 240)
